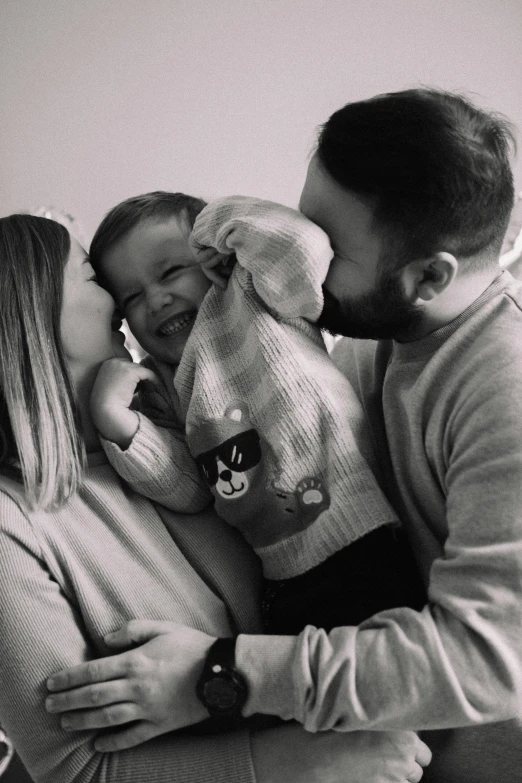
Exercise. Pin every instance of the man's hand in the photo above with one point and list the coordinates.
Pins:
(153, 685)
(112, 396)
(215, 265)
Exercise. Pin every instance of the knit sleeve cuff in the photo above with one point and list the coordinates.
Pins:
(286, 254)
(157, 464)
(266, 662)
(146, 452)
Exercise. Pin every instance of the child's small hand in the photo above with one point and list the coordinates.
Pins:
(215, 265)
(112, 396)
(151, 687)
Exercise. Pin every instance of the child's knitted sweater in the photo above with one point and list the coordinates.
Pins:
(274, 427)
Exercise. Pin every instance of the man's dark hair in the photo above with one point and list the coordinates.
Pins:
(159, 205)
(436, 167)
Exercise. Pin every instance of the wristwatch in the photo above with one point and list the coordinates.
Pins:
(221, 688)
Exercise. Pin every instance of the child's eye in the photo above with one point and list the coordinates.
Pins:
(170, 271)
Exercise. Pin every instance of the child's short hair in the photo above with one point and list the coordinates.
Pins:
(125, 216)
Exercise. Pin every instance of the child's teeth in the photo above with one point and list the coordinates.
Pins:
(174, 326)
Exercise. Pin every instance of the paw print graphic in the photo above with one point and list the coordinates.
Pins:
(312, 495)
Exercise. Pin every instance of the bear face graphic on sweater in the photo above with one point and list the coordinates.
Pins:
(244, 477)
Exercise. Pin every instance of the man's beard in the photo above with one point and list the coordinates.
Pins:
(382, 314)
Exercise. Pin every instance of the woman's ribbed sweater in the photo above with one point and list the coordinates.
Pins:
(69, 577)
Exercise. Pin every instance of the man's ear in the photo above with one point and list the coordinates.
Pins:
(427, 278)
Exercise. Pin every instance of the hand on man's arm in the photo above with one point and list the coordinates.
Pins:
(155, 685)
(151, 686)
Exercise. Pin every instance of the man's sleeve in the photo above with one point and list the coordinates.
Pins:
(458, 662)
(285, 253)
(41, 633)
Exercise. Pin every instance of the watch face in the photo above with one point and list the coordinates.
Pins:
(220, 687)
(220, 693)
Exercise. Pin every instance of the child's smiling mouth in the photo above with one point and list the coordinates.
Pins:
(176, 324)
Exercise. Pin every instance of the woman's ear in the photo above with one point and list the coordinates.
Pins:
(427, 278)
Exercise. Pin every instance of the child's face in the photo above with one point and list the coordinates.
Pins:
(157, 285)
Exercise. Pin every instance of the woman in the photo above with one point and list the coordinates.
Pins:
(80, 553)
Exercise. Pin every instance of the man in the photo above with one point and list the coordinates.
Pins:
(414, 190)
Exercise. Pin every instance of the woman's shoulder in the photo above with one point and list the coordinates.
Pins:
(12, 492)
(16, 524)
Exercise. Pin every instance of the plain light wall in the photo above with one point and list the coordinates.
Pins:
(104, 100)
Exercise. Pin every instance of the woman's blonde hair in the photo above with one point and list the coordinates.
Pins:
(40, 434)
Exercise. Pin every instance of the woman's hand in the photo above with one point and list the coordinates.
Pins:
(153, 685)
(112, 396)
(289, 754)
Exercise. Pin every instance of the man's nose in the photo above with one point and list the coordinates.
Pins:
(157, 299)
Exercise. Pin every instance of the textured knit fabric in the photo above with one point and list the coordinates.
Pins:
(158, 463)
(446, 417)
(69, 577)
(274, 426)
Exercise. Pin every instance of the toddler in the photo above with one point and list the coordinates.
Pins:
(250, 410)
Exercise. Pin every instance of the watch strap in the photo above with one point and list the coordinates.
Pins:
(222, 653)
(221, 688)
